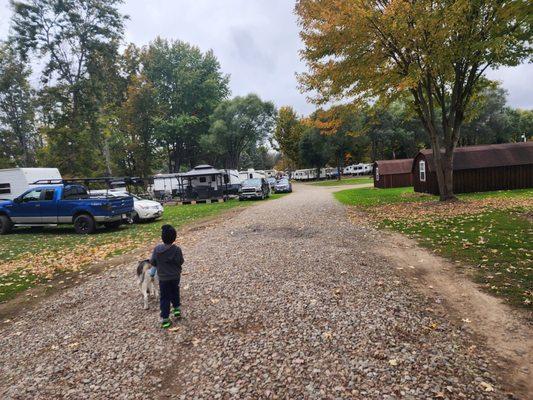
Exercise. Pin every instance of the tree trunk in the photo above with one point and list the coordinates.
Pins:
(444, 172)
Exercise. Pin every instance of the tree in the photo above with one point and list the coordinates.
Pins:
(435, 51)
(188, 85)
(78, 42)
(314, 149)
(134, 144)
(286, 138)
(237, 124)
(18, 136)
(393, 132)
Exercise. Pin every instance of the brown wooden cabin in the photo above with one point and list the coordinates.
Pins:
(393, 173)
(479, 168)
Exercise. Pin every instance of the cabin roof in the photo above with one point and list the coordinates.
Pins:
(393, 167)
(487, 156)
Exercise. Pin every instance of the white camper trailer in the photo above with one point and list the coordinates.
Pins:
(15, 181)
(166, 185)
(305, 174)
(232, 180)
(251, 174)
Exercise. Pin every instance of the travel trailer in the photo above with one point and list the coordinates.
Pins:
(251, 174)
(232, 180)
(166, 185)
(305, 174)
(15, 181)
(358, 169)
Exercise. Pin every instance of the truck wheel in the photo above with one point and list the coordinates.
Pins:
(84, 224)
(135, 217)
(113, 225)
(5, 225)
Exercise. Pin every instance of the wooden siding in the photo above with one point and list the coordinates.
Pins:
(393, 180)
(476, 180)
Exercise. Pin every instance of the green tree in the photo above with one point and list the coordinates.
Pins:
(238, 124)
(18, 139)
(188, 87)
(287, 136)
(78, 42)
(436, 51)
(314, 149)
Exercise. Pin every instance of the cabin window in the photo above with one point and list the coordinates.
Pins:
(422, 170)
(5, 188)
(202, 179)
(377, 174)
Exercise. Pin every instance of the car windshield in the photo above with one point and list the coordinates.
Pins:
(272, 179)
(252, 182)
(283, 182)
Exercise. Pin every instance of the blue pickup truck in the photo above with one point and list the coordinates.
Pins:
(64, 204)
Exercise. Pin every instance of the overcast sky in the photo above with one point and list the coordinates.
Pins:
(256, 42)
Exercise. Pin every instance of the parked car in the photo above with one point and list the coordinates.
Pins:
(144, 210)
(271, 183)
(64, 204)
(257, 188)
(283, 186)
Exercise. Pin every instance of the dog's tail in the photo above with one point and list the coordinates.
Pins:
(140, 269)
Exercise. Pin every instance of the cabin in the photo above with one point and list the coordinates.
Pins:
(393, 173)
(479, 168)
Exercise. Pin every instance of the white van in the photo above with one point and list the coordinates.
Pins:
(15, 181)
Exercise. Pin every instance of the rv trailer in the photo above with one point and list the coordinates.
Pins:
(15, 181)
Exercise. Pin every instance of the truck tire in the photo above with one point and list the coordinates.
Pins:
(84, 224)
(113, 225)
(5, 225)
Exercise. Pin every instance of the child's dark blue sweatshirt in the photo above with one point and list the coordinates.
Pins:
(168, 259)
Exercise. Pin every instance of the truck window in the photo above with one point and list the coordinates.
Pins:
(48, 195)
(34, 195)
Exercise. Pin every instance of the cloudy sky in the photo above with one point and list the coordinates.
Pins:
(256, 42)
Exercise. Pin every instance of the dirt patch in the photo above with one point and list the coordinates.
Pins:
(504, 330)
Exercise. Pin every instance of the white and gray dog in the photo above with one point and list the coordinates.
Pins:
(148, 280)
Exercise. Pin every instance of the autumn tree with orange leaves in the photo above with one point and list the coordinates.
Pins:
(436, 51)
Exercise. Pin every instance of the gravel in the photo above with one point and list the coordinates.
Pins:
(285, 300)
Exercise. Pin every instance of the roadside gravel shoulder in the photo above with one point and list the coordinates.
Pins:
(288, 299)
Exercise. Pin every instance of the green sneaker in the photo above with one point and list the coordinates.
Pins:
(176, 312)
(166, 323)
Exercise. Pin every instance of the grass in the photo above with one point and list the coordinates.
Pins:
(345, 181)
(369, 197)
(490, 232)
(28, 256)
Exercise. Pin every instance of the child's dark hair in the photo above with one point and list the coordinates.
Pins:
(168, 234)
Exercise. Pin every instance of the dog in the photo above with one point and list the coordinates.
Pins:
(148, 281)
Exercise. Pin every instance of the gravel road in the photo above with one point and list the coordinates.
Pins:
(287, 300)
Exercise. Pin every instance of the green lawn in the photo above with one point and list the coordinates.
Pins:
(345, 181)
(490, 232)
(27, 256)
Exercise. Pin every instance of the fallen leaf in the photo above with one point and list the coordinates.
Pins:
(487, 387)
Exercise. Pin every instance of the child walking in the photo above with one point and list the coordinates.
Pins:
(167, 258)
